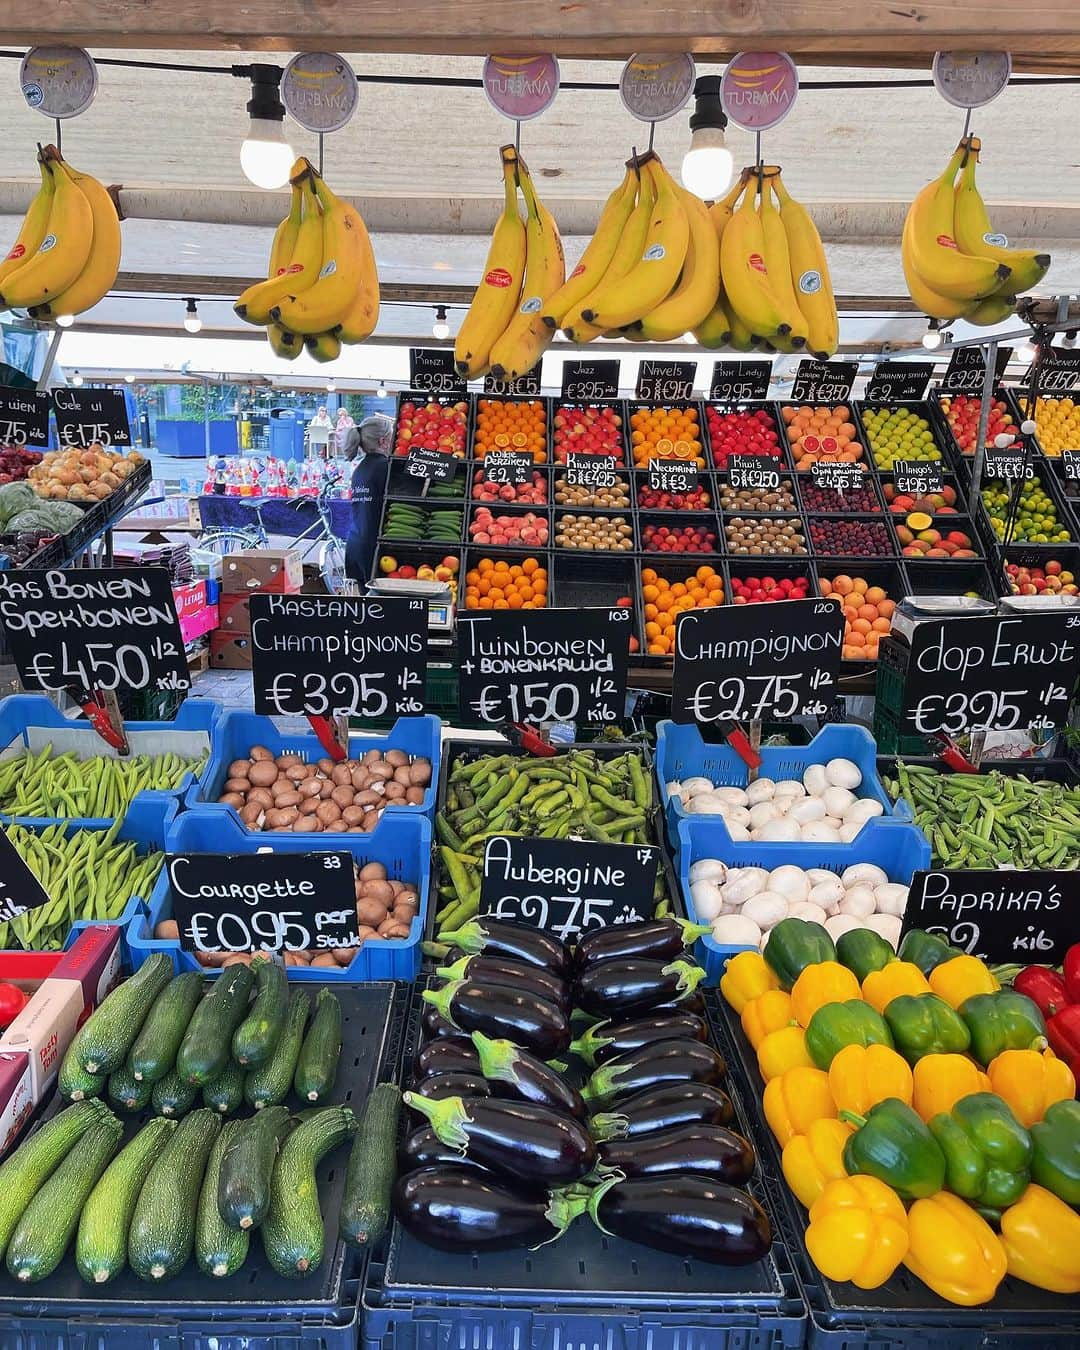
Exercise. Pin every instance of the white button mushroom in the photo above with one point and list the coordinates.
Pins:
(692, 786)
(806, 809)
(705, 804)
(858, 901)
(750, 882)
(736, 815)
(815, 780)
(808, 913)
(708, 900)
(766, 909)
(739, 834)
(736, 930)
(789, 881)
(886, 926)
(862, 810)
(709, 869)
(827, 894)
(818, 874)
(789, 787)
(818, 832)
(734, 796)
(849, 830)
(837, 800)
(840, 924)
(761, 813)
(863, 874)
(843, 773)
(673, 788)
(782, 831)
(891, 898)
(760, 790)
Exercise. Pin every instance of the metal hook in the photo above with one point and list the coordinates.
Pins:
(59, 134)
(321, 154)
(967, 124)
(757, 149)
(652, 135)
(517, 137)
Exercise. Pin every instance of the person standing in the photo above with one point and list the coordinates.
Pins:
(342, 427)
(318, 434)
(372, 441)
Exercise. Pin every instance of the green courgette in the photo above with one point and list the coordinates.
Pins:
(162, 1233)
(74, 1083)
(254, 1039)
(248, 1166)
(204, 1051)
(102, 1042)
(101, 1247)
(269, 1084)
(317, 1066)
(154, 1052)
(219, 1249)
(293, 1235)
(225, 1092)
(172, 1096)
(24, 1173)
(49, 1221)
(372, 1170)
(125, 1093)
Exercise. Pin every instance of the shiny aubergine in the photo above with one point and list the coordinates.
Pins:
(625, 988)
(513, 974)
(605, 1040)
(447, 1054)
(423, 1148)
(661, 1108)
(440, 1085)
(515, 1074)
(461, 1208)
(498, 937)
(529, 1021)
(529, 1144)
(688, 1215)
(653, 940)
(704, 1150)
(660, 1062)
(692, 1003)
(434, 1025)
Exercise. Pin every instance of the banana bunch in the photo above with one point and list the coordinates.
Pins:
(67, 254)
(955, 266)
(321, 288)
(504, 330)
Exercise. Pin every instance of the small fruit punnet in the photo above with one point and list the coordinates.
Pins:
(433, 426)
(664, 601)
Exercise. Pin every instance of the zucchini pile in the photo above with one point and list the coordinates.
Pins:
(160, 1041)
(507, 1152)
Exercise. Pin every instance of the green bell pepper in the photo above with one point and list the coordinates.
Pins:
(926, 950)
(795, 944)
(891, 1143)
(1002, 1021)
(987, 1151)
(1056, 1160)
(863, 951)
(835, 1025)
(923, 1024)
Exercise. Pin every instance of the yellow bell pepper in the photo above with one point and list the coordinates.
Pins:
(768, 1012)
(1031, 1081)
(858, 1231)
(953, 1250)
(782, 1050)
(825, 982)
(1041, 1237)
(941, 1080)
(746, 976)
(958, 979)
(812, 1159)
(794, 1099)
(860, 1076)
(899, 977)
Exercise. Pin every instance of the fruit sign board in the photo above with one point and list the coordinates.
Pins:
(321, 655)
(320, 91)
(20, 890)
(917, 477)
(24, 417)
(991, 674)
(567, 886)
(585, 381)
(1014, 461)
(1070, 460)
(672, 475)
(1059, 372)
(654, 88)
(971, 79)
(94, 628)
(438, 465)
(998, 916)
(544, 665)
(744, 663)
(508, 466)
(740, 381)
(521, 87)
(666, 381)
(758, 89)
(899, 382)
(432, 371)
(966, 370)
(596, 471)
(525, 386)
(836, 475)
(754, 471)
(823, 381)
(87, 417)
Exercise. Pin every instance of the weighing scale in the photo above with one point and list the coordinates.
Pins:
(440, 604)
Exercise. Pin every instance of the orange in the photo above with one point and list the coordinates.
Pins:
(500, 604)
(529, 566)
(485, 602)
(868, 612)
(652, 630)
(882, 625)
(875, 595)
(484, 566)
(649, 592)
(885, 608)
(861, 627)
(648, 575)
(842, 585)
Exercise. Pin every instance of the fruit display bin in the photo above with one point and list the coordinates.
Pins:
(652, 499)
(864, 501)
(674, 442)
(725, 436)
(418, 518)
(1062, 507)
(402, 844)
(496, 495)
(255, 1308)
(854, 434)
(926, 410)
(479, 435)
(519, 520)
(1063, 562)
(586, 1290)
(411, 399)
(563, 418)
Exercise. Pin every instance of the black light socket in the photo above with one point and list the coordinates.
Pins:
(265, 101)
(708, 110)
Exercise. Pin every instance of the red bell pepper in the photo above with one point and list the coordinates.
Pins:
(1063, 1032)
(1045, 987)
(1071, 967)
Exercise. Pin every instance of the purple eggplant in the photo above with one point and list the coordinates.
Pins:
(513, 974)
(498, 937)
(440, 1085)
(434, 1025)
(447, 1054)
(530, 1144)
(529, 1021)
(463, 1209)
(423, 1148)
(514, 1073)
(605, 1040)
(626, 988)
(660, 1062)
(652, 940)
(688, 1215)
(691, 1003)
(662, 1108)
(704, 1150)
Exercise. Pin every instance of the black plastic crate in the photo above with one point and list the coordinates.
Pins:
(1038, 555)
(564, 408)
(617, 525)
(879, 527)
(516, 513)
(426, 507)
(640, 479)
(949, 479)
(679, 520)
(624, 489)
(958, 578)
(770, 409)
(758, 504)
(481, 401)
(925, 409)
(884, 573)
(831, 503)
(757, 521)
(477, 478)
(960, 460)
(762, 567)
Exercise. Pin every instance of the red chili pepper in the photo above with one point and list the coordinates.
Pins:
(1045, 987)
(1071, 967)
(1063, 1033)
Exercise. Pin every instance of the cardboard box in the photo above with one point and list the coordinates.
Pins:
(230, 651)
(262, 569)
(189, 599)
(234, 613)
(16, 1096)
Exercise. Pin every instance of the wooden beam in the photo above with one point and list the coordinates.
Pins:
(1042, 34)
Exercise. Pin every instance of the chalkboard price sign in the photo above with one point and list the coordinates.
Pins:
(836, 475)
(899, 382)
(991, 674)
(1070, 461)
(917, 477)
(270, 902)
(24, 418)
(567, 886)
(544, 665)
(94, 628)
(596, 471)
(749, 662)
(740, 381)
(525, 386)
(587, 381)
(966, 370)
(998, 916)
(20, 890)
(754, 471)
(672, 475)
(437, 465)
(321, 655)
(666, 381)
(1059, 372)
(823, 381)
(1011, 462)
(432, 371)
(86, 417)
(508, 466)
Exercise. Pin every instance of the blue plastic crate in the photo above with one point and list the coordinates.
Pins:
(900, 850)
(401, 842)
(237, 732)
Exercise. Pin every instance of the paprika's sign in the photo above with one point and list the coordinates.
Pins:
(1001, 916)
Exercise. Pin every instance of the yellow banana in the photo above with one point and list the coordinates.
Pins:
(322, 306)
(620, 302)
(62, 253)
(324, 346)
(693, 298)
(284, 245)
(742, 340)
(283, 343)
(35, 222)
(598, 255)
(715, 329)
(975, 234)
(496, 298)
(99, 275)
(527, 337)
(809, 274)
(627, 251)
(932, 250)
(301, 271)
(994, 309)
(935, 306)
(359, 320)
(778, 262)
(746, 276)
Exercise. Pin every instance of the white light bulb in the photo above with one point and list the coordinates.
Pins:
(1025, 352)
(65, 320)
(931, 340)
(331, 385)
(707, 165)
(129, 379)
(440, 328)
(266, 156)
(1003, 440)
(193, 323)
(382, 391)
(76, 379)
(1027, 427)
